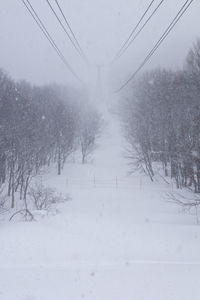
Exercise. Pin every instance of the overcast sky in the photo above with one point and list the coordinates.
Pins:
(101, 27)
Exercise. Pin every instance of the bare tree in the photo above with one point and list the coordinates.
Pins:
(161, 122)
(90, 128)
(38, 126)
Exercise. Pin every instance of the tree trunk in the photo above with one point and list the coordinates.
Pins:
(13, 188)
(59, 162)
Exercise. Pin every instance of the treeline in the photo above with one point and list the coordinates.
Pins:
(40, 126)
(161, 119)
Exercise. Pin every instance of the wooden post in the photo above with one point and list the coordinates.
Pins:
(116, 182)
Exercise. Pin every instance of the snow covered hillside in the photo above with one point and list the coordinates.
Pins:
(117, 239)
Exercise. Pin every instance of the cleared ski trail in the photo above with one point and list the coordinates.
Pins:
(118, 239)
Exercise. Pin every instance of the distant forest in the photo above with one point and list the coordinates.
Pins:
(40, 126)
(161, 120)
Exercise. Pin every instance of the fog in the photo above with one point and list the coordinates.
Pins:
(101, 27)
(99, 152)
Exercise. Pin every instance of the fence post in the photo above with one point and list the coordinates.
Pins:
(116, 182)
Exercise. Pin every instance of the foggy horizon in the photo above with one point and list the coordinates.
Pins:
(101, 28)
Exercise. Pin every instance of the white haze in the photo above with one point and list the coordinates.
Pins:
(101, 27)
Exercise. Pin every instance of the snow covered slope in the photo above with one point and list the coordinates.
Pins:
(118, 239)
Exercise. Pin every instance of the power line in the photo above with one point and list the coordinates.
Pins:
(49, 37)
(41, 25)
(65, 30)
(181, 12)
(137, 34)
(44, 30)
(133, 31)
(70, 29)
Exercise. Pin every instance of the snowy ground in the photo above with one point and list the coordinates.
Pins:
(118, 239)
